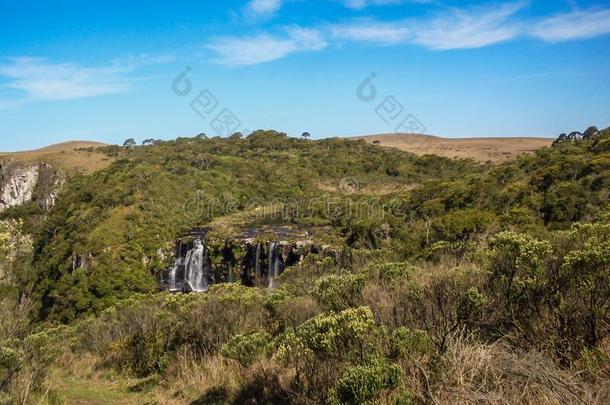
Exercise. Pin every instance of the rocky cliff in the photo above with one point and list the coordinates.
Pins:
(25, 182)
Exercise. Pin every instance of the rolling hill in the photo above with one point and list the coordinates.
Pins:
(66, 155)
(479, 149)
(72, 156)
(323, 266)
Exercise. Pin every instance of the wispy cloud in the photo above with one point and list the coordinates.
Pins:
(374, 32)
(457, 29)
(257, 9)
(37, 79)
(241, 51)
(360, 4)
(573, 25)
(472, 28)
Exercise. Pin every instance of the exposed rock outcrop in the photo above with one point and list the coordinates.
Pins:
(21, 183)
(200, 261)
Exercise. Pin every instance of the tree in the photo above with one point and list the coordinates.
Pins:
(376, 142)
(130, 143)
(149, 141)
(590, 132)
(305, 135)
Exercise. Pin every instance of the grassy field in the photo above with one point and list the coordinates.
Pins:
(70, 156)
(479, 149)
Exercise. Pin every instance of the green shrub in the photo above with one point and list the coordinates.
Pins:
(471, 303)
(410, 342)
(149, 348)
(247, 348)
(336, 293)
(363, 384)
(336, 334)
(391, 271)
(518, 274)
(585, 272)
(463, 225)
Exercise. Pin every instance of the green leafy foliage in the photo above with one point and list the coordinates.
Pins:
(363, 384)
(336, 293)
(409, 342)
(470, 272)
(338, 334)
(247, 348)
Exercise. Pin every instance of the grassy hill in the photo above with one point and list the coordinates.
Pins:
(431, 280)
(68, 156)
(478, 149)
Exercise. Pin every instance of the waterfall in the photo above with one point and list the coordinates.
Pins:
(172, 278)
(195, 276)
(192, 269)
(179, 249)
(274, 264)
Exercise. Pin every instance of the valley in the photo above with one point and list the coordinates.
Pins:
(270, 269)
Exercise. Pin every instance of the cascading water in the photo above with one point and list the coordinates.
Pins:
(172, 278)
(275, 264)
(193, 270)
(195, 273)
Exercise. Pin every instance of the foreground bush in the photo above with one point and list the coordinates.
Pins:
(362, 384)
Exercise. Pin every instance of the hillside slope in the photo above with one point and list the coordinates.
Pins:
(118, 218)
(479, 149)
(459, 282)
(68, 156)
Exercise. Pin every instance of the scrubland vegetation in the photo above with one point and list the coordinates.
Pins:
(479, 283)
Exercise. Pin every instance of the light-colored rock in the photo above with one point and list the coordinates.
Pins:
(21, 183)
(51, 197)
(17, 184)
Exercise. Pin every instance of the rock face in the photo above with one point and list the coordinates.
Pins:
(21, 183)
(200, 262)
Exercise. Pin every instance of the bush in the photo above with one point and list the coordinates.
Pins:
(247, 348)
(387, 272)
(363, 384)
(410, 342)
(585, 272)
(517, 277)
(336, 335)
(149, 348)
(336, 293)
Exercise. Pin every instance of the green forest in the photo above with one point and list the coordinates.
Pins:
(432, 281)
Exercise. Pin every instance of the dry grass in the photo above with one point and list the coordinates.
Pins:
(189, 377)
(476, 373)
(68, 156)
(479, 149)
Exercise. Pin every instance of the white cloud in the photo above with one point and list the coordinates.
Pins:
(573, 25)
(374, 32)
(458, 29)
(36, 79)
(241, 51)
(262, 8)
(41, 80)
(453, 28)
(360, 4)
(473, 28)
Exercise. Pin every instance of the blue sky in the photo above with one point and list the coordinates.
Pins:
(110, 70)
